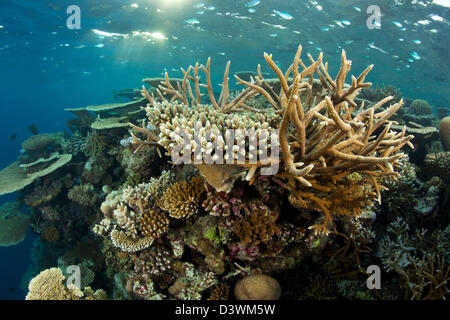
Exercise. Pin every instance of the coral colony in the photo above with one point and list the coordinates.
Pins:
(286, 189)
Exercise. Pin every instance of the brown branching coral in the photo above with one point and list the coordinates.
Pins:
(257, 227)
(220, 292)
(50, 234)
(322, 137)
(183, 199)
(153, 224)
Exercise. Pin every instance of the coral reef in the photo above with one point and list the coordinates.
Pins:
(321, 141)
(186, 193)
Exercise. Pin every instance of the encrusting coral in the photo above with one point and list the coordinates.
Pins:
(322, 136)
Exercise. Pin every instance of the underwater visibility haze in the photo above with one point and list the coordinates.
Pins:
(224, 150)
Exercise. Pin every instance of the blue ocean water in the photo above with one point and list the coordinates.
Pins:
(47, 67)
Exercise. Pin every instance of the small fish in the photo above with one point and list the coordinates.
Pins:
(192, 21)
(283, 15)
(253, 3)
(33, 129)
(415, 55)
(13, 137)
(398, 24)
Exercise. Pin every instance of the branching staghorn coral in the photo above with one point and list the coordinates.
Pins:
(424, 269)
(323, 138)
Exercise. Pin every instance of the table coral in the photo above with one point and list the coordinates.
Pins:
(13, 224)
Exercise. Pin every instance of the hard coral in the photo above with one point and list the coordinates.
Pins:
(421, 107)
(153, 223)
(182, 200)
(257, 287)
(48, 285)
(83, 194)
(444, 132)
(256, 227)
(322, 137)
(50, 234)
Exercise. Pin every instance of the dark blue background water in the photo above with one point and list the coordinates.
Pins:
(45, 67)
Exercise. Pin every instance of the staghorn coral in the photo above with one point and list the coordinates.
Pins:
(424, 270)
(322, 137)
(83, 194)
(182, 200)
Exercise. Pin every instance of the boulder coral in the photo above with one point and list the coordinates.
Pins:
(257, 287)
(444, 132)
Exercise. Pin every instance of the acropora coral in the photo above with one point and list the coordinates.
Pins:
(322, 135)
